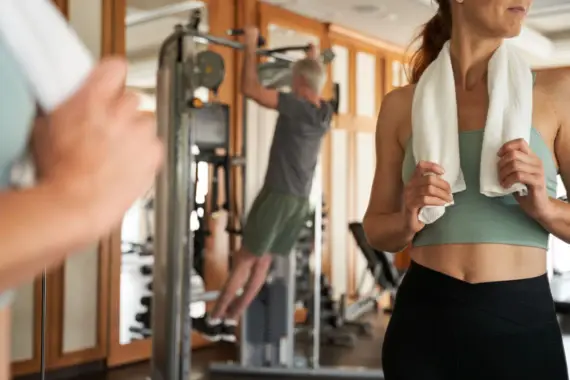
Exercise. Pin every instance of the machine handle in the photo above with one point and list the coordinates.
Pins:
(261, 41)
(286, 49)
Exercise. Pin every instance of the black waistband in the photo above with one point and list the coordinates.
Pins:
(525, 302)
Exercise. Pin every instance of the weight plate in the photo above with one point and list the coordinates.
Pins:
(211, 69)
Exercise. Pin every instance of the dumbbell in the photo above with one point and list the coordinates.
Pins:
(143, 318)
(327, 304)
(146, 270)
(146, 301)
(331, 318)
(149, 286)
(326, 292)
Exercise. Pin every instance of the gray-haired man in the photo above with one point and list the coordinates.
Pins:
(281, 207)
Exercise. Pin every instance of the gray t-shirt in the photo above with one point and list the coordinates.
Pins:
(296, 144)
(17, 110)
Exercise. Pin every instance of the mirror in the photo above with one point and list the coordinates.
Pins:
(148, 23)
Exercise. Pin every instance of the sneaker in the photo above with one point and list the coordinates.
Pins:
(229, 331)
(212, 332)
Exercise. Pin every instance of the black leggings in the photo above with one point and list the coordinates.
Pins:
(443, 328)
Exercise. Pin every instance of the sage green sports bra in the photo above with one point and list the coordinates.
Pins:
(476, 218)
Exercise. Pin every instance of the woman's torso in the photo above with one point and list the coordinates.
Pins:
(483, 262)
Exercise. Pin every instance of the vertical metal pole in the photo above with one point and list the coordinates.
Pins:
(173, 244)
(318, 249)
(291, 292)
(43, 327)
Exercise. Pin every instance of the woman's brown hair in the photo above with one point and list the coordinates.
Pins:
(433, 36)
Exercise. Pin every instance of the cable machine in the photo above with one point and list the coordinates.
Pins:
(184, 123)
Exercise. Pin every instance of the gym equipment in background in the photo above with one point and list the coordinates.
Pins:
(267, 344)
(336, 329)
(271, 314)
(178, 75)
(381, 268)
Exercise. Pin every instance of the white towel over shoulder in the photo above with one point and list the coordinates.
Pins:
(53, 58)
(435, 127)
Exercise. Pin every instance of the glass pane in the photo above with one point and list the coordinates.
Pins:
(340, 75)
(365, 84)
(405, 73)
(396, 75)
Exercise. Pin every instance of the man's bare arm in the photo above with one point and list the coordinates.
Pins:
(250, 85)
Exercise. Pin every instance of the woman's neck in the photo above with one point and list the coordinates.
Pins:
(470, 55)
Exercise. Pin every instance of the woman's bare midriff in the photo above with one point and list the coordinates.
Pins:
(5, 335)
(476, 263)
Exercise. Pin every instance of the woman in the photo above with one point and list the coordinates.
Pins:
(95, 155)
(475, 302)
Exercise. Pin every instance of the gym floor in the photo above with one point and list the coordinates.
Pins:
(366, 353)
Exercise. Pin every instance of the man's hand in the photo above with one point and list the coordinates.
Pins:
(251, 37)
(98, 146)
(312, 52)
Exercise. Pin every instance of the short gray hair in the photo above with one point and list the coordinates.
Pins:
(312, 72)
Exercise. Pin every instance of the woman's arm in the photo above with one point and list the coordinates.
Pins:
(556, 219)
(90, 170)
(384, 222)
(39, 227)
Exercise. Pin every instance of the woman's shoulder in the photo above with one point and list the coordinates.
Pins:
(397, 105)
(555, 83)
(401, 96)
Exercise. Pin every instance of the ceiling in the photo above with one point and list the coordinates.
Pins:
(545, 41)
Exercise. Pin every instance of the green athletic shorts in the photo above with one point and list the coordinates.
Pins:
(274, 223)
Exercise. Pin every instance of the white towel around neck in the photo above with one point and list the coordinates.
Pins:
(435, 127)
(51, 55)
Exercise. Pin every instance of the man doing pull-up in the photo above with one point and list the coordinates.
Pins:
(281, 207)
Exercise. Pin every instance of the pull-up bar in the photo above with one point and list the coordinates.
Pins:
(144, 17)
(237, 45)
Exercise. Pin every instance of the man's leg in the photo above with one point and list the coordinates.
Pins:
(282, 245)
(211, 325)
(253, 286)
(240, 274)
(258, 235)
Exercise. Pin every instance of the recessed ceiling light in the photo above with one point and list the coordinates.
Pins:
(366, 8)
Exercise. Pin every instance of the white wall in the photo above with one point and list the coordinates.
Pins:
(23, 324)
(338, 215)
